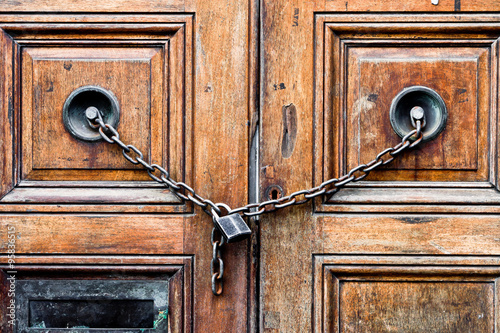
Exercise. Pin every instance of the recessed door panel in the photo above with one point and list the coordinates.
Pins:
(146, 70)
(366, 65)
(405, 294)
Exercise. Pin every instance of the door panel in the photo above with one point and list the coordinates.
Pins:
(396, 251)
(405, 294)
(116, 58)
(163, 282)
(362, 76)
(79, 211)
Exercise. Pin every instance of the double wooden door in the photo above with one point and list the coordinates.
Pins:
(241, 99)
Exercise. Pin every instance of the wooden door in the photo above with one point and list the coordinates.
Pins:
(415, 246)
(83, 226)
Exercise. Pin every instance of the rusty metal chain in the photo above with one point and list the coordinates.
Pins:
(155, 171)
(216, 265)
(331, 186)
(185, 192)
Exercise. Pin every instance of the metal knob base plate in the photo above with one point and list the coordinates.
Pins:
(429, 100)
(74, 111)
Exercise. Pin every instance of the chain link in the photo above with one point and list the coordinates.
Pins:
(156, 172)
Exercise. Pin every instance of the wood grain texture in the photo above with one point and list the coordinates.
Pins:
(287, 236)
(361, 135)
(4, 292)
(180, 6)
(92, 6)
(450, 218)
(156, 57)
(376, 75)
(109, 68)
(7, 154)
(418, 293)
(205, 84)
(417, 234)
(388, 6)
(351, 139)
(143, 117)
(95, 234)
(92, 196)
(411, 6)
(221, 144)
(412, 307)
(253, 249)
(410, 195)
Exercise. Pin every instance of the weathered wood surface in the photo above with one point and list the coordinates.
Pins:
(405, 293)
(189, 5)
(93, 6)
(98, 234)
(417, 234)
(6, 114)
(184, 84)
(404, 306)
(287, 237)
(213, 96)
(327, 65)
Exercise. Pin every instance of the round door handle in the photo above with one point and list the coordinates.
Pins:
(421, 101)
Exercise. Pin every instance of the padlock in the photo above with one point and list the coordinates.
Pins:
(232, 227)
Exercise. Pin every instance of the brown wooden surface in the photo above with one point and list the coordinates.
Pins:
(180, 5)
(144, 68)
(6, 114)
(183, 77)
(330, 66)
(174, 269)
(92, 6)
(376, 75)
(430, 212)
(405, 293)
(376, 71)
(114, 69)
(410, 306)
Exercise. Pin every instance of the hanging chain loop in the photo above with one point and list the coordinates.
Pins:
(216, 265)
(156, 172)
